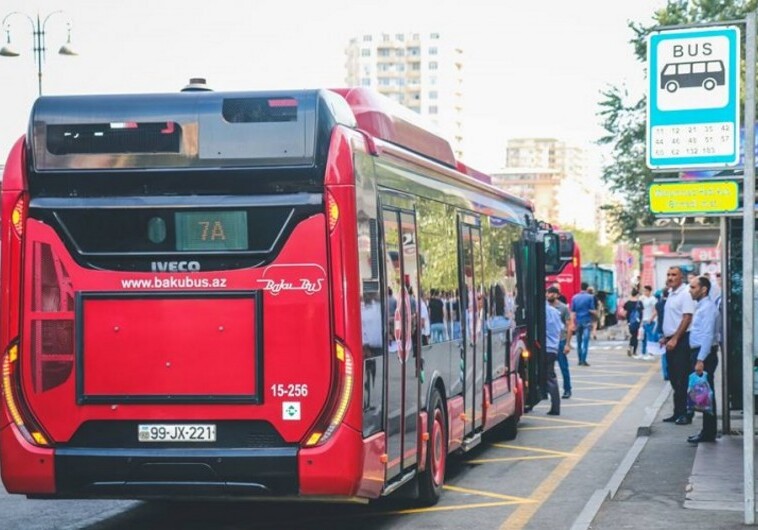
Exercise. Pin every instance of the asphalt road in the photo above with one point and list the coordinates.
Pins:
(542, 479)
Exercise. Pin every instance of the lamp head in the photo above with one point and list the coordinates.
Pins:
(67, 49)
(8, 51)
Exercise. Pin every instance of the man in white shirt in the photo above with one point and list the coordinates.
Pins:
(648, 319)
(704, 349)
(677, 319)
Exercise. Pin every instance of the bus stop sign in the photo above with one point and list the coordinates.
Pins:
(693, 98)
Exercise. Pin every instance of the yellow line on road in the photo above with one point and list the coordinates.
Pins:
(600, 371)
(561, 420)
(490, 494)
(451, 508)
(524, 513)
(600, 383)
(608, 375)
(592, 400)
(512, 459)
(554, 427)
(619, 387)
(531, 449)
(593, 404)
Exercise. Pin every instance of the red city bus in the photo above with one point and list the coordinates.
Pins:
(568, 270)
(270, 294)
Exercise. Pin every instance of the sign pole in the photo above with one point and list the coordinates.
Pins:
(748, 229)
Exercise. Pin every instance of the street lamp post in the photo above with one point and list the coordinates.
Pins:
(38, 34)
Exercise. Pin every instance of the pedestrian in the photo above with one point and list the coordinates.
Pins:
(596, 317)
(552, 339)
(648, 320)
(562, 298)
(564, 345)
(582, 309)
(633, 315)
(704, 349)
(660, 306)
(677, 319)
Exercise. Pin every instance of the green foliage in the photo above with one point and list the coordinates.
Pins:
(591, 249)
(624, 118)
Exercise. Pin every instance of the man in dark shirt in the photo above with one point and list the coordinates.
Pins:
(437, 316)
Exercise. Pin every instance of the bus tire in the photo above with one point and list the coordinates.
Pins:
(709, 84)
(672, 86)
(431, 480)
(509, 428)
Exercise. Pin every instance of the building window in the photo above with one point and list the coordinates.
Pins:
(367, 38)
(433, 80)
(365, 52)
(434, 36)
(365, 81)
(433, 50)
(432, 65)
(400, 37)
(383, 52)
(385, 37)
(432, 94)
(432, 109)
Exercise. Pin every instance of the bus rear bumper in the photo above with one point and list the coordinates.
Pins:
(25, 468)
(145, 473)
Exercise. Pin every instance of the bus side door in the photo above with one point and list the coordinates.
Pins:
(471, 276)
(402, 310)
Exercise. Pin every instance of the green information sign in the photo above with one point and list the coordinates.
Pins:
(694, 198)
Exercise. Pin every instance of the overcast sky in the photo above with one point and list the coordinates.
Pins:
(531, 68)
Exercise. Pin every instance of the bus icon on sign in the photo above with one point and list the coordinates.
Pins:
(706, 74)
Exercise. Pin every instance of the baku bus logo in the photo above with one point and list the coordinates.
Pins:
(308, 278)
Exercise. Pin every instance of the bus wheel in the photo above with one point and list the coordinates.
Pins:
(672, 86)
(509, 428)
(431, 480)
(709, 84)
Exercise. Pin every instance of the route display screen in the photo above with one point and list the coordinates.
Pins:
(211, 230)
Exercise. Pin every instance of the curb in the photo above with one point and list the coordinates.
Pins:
(591, 509)
(646, 427)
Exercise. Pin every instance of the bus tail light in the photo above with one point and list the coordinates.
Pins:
(18, 216)
(332, 211)
(52, 325)
(338, 404)
(16, 408)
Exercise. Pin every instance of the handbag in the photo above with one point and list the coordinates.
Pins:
(699, 394)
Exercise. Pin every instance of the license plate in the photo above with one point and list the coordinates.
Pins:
(167, 432)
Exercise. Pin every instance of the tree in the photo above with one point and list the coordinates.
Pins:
(591, 249)
(624, 118)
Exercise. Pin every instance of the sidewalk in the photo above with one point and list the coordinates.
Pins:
(664, 482)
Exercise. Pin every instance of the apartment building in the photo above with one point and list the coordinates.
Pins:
(554, 176)
(422, 71)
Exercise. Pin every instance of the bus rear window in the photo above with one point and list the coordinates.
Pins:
(259, 110)
(114, 137)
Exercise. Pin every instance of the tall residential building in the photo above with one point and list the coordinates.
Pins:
(554, 176)
(422, 71)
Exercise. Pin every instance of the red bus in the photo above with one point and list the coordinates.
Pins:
(272, 294)
(567, 272)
